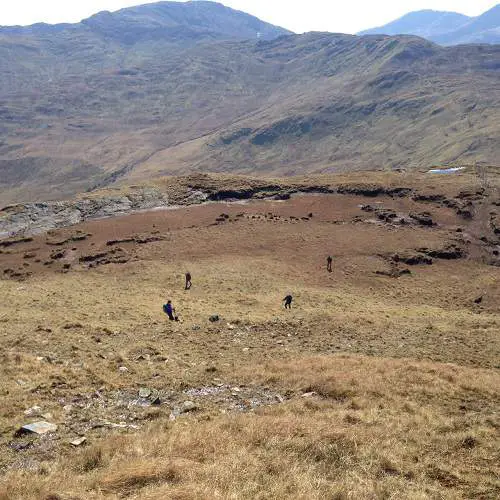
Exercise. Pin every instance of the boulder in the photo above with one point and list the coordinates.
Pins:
(39, 428)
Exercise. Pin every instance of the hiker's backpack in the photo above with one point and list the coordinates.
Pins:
(165, 310)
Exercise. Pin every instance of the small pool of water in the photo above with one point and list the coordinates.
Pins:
(446, 170)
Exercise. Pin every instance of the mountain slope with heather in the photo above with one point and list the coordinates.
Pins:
(147, 92)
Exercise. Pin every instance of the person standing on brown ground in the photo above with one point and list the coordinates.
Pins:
(329, 262)
(188, 281)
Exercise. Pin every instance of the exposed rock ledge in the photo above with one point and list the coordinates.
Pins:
(32, 218)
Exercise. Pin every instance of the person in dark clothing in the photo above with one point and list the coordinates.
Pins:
(170, 311)
(288, 301)
(329, 262)
(188, 281)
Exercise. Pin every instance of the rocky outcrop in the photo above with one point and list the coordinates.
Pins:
(412, 258)
(374, 190)
(423, 218)
(449, 252)
(32, 218)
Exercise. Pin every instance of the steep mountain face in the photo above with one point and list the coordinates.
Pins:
(446, 28)
(82, 108)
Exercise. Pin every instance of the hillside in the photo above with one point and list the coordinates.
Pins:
(382, 381)
(446, 28)
(152, 90)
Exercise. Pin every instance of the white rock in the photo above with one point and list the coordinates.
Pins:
(38, 428)
(79, 441)
(33, 411)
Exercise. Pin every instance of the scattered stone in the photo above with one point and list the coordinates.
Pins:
(123, 369)
(423, 218)
(386, 215)
(34, 411)
(79, 441)
(43, 329)
(188, 406)
(144, 392)
(429, 197)
(367, 208)
(39, 428)
(155, 398)
(214, 318)
(72, 326)
(20, 446)
(394, 272)
(308, 394)
(58, 254)
(478, 300)
(412, 259)
(115, 256)
(196, 328)
(282, 196)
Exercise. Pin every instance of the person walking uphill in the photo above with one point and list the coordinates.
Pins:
(329, 262)
(288, 301)
(188, 281)
(170, 311)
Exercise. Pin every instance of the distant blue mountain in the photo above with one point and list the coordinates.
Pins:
(445, 28)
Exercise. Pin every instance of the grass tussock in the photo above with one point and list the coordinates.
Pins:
(132, 477)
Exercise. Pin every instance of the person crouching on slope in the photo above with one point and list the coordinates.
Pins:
(170, 311)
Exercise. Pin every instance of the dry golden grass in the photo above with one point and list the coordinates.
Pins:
(377, 428)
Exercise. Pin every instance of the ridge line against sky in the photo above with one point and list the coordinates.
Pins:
(297, 16)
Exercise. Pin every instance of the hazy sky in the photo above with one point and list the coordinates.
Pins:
(346, 16)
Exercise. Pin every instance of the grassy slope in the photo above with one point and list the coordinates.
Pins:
(404, 372)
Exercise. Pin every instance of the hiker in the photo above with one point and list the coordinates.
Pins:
(329, 261)
(188, 281)
(170, 311)
(288, 301)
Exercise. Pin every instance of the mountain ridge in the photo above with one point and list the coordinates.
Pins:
(445, 28)
(163, 15)
(80, 111)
